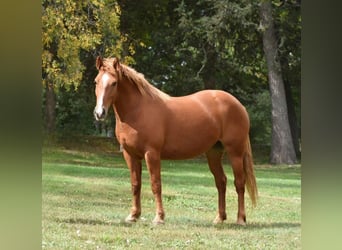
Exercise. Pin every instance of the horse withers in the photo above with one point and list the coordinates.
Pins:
(152, 125)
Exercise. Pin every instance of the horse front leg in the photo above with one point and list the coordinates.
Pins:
(154, 167)
(135, 170)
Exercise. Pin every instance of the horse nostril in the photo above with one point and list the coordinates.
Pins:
(99, 115)
(103, 113)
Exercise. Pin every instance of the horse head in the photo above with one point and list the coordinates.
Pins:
(106, 85)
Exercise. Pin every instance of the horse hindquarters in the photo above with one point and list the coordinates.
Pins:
(242, 165)
(235, 139)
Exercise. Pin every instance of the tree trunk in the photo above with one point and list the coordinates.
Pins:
(292, 117)
(282, 148)
(50, 109)
(294, 126)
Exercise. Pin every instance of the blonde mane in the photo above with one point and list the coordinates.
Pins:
(138, 79)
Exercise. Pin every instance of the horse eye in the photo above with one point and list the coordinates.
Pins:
(114, 83)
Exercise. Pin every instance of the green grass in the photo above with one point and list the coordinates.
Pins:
(86, 197)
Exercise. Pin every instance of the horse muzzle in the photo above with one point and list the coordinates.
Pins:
(100, 113)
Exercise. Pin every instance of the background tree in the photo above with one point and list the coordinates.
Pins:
(282, 143)
(287, 22)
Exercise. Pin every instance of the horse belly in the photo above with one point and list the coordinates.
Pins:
(189, 141)
(185, 151)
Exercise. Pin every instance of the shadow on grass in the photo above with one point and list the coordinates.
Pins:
(83, 221)
(249, 226)
(257, 225)
(121, 222)
(99, 222)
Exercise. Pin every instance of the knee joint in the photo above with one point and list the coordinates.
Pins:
(136, 189)
(239, 186)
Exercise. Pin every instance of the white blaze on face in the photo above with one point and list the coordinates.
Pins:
(99, 103)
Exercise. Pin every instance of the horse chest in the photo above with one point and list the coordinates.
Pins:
(126, 134)
(131, 139)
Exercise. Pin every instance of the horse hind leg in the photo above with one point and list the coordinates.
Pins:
(214, 157)
(239, 182)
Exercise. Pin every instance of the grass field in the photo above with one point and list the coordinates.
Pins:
(86, 197)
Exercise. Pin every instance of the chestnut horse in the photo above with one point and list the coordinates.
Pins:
(152, 125)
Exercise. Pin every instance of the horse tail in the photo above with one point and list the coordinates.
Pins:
(249, 173)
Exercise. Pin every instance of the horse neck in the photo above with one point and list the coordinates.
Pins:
(128, 100)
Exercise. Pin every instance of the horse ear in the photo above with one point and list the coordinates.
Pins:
(116, 63)
(99, 62)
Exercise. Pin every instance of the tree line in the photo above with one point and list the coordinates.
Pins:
(248, 48)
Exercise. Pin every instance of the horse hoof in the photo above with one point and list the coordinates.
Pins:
(158, 221)
(241, 222)
(220, 217)
(131, 219)
(218, 220)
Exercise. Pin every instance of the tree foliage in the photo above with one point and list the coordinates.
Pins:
(71, 27)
